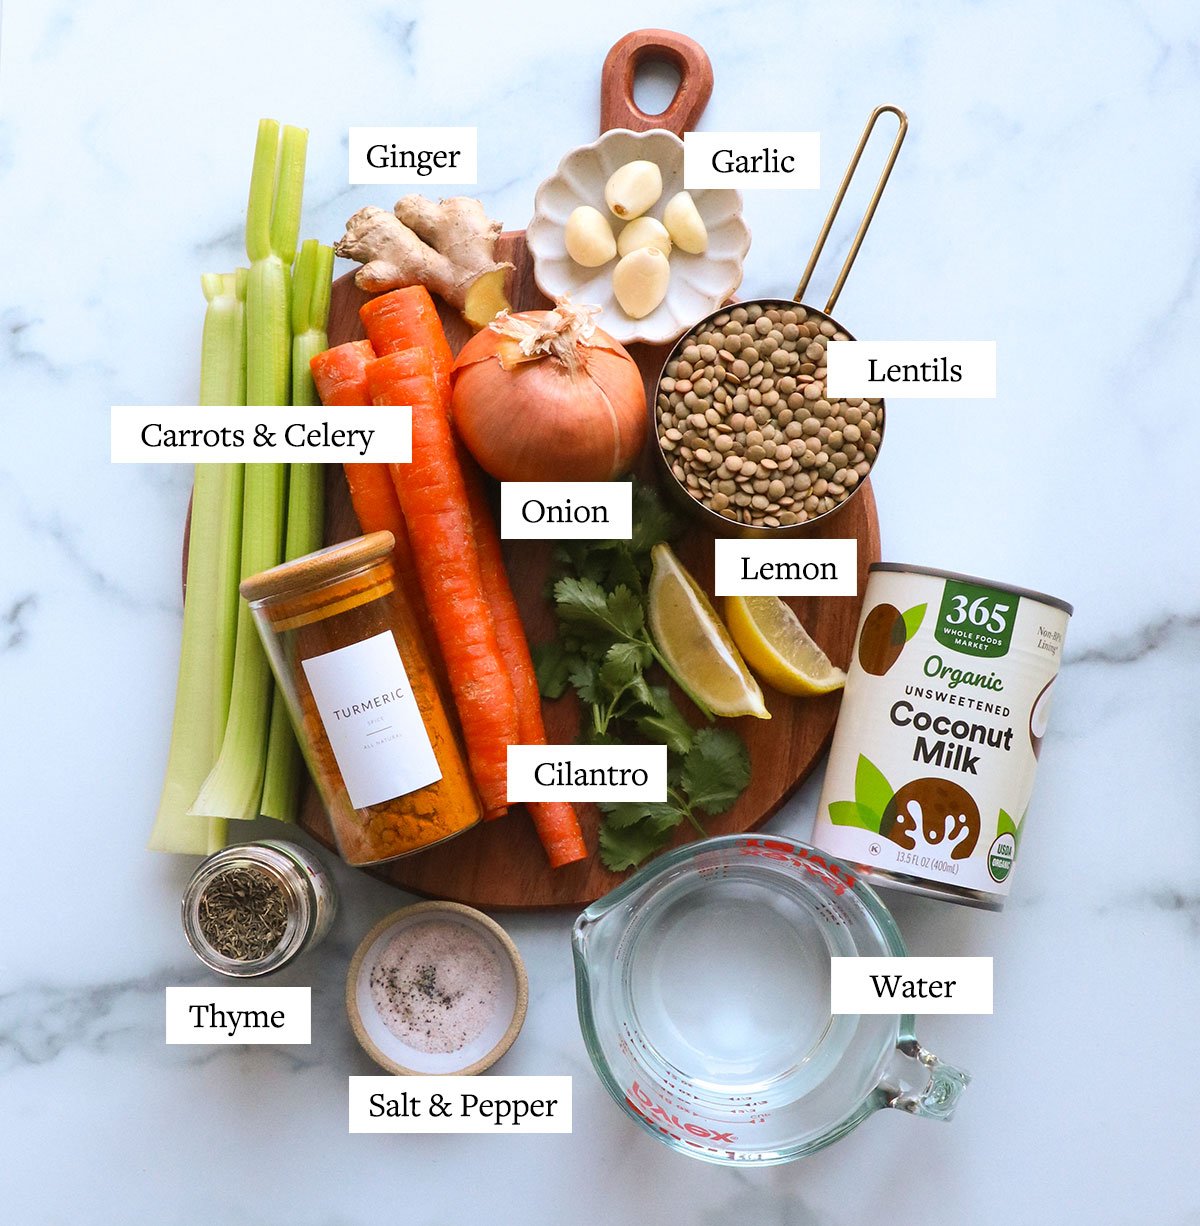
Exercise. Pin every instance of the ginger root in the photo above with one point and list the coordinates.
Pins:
(448, 246)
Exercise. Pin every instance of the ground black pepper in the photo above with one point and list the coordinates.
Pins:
(436, 986)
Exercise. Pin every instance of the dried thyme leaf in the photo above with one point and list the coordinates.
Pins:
(243, 914)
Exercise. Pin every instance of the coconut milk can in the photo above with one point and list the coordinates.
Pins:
(946, 704)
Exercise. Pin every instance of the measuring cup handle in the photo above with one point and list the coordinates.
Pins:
(881, 183)
(937, 1096)
(617, 107)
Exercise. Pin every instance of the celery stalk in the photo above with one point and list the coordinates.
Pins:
(311, 284)
(234, 785)
(233, 788)
(312, 288)
(210, 607)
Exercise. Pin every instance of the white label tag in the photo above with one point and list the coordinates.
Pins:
(786, 568)
(916, 370)
(214, 434)
(413, 155)
(239, 1015)
(566, 510)
(371, 717)
(499, 1106)
(586, 772)
(910, 985)
(751, 159)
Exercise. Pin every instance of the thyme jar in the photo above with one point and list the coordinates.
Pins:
(251, 909)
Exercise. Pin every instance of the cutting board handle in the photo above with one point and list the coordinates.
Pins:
(617, 107)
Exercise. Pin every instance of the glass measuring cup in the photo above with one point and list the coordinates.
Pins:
(703, 993)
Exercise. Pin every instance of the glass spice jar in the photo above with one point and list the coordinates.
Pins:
(250, 909)
(364, 700)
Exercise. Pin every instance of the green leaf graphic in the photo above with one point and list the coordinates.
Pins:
(1006, 825)
(850, 813)
(871, 790)
(912, 620)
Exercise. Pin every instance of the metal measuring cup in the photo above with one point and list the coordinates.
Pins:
(713, 520)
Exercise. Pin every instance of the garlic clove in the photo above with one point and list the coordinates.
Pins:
(644, 232)
(685, 225)
(640, 281)
(633, 188)
(589, 238)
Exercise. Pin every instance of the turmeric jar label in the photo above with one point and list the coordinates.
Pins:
(946, 702)
(366, 704)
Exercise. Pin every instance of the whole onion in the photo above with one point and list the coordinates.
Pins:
(548, 396)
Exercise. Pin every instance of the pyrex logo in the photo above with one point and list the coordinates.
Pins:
(659, 1116)
(834, 876)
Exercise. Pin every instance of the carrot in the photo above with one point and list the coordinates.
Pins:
(555, 821)
(433, 497)
(340, 373)
(407, 319)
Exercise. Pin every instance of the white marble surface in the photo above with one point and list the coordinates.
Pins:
(1047, 197)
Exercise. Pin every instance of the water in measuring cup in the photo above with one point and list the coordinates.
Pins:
(727, 984)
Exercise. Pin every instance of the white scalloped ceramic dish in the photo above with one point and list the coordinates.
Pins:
(699, 283)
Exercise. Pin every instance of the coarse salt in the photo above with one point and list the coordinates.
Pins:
(436, 986)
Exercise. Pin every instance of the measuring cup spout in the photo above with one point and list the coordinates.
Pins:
(939, 1085)
(589, 931)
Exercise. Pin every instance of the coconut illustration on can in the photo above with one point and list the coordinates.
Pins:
(942, 723)
(933, 810)
(881, 639)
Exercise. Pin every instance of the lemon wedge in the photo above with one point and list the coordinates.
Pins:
(695, 644)
(778, 647)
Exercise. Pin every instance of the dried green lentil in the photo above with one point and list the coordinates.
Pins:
(751, 431)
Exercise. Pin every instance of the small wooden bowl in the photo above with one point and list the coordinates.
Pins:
(397, 1057)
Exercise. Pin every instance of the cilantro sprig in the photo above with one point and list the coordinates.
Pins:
(603, 651)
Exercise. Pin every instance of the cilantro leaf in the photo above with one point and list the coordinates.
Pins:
(623, 664)
(626, 612)
(585, 603)
(640, 690)
(652, 522)
(552, 663)
(625, 846)
(585, 677)
(624, 571)
(581, 600)
(626, 812)
(666, 723)
(716, 770)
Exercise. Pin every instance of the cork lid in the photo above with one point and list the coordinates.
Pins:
(317, 570)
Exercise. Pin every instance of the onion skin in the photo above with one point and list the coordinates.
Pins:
(532, 419)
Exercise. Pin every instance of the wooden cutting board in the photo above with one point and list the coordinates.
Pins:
(500, 864)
